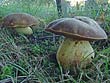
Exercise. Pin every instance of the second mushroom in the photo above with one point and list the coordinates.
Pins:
(20, 22)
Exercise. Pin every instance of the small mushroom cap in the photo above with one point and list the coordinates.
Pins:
(79, 27)
(19, 20)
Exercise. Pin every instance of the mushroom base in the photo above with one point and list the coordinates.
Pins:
(74, 53)
(27, 30)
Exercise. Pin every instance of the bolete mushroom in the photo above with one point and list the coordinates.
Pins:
(21, 22)
(76, 50)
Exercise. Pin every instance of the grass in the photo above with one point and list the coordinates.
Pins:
(35, 62)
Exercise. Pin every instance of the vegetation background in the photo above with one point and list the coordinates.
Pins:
(26, 59)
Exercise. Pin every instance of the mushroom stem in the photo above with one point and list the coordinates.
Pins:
(27, 30)
(73, 53)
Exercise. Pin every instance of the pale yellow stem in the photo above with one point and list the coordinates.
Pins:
(26, 30)
(73, 53)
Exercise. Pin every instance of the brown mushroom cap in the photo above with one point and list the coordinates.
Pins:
(19, 20)
(79, 27)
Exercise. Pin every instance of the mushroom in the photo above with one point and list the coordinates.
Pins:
(75, 50)
(21, 22)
